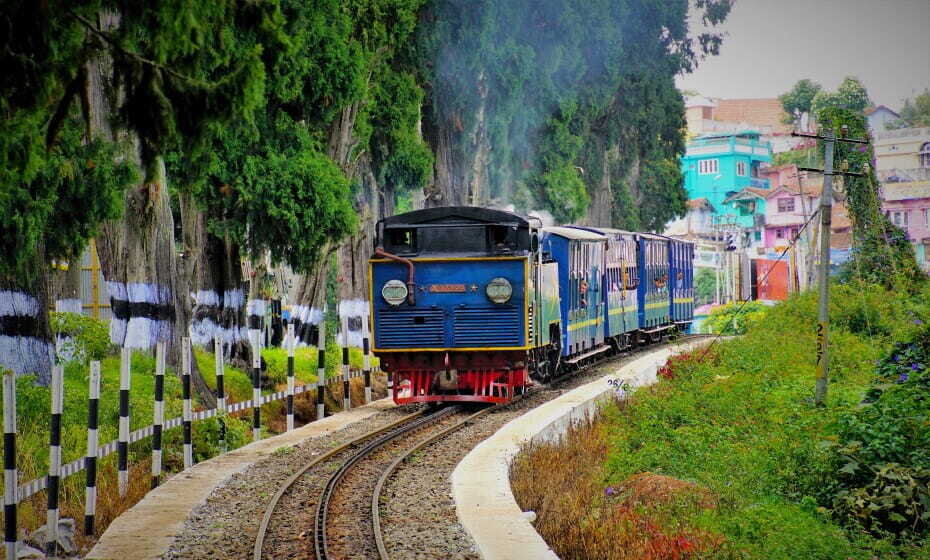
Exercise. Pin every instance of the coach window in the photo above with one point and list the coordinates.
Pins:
(502, 239)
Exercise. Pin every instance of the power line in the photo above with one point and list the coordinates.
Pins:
(784, 252)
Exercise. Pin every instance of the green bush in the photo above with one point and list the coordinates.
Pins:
(882, 454)
(84, 338)
(735, 318)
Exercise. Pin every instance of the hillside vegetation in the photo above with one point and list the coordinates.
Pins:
(727, 457)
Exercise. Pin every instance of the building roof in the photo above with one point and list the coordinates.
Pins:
(758, 112)
(699, 101)
(810, 190)
(869, 110)
(748, 193)
(892, 192)
(700, 204)
(745, 132)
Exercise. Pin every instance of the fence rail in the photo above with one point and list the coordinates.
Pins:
(37, 485)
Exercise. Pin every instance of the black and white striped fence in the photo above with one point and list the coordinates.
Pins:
(123, 441)
(186, 396)
(15, 493)
(90, 461)
(321, 370)
(10, 498)
(220, 388)
(290, 343)
(158, 413)
(256, 384)
(54, 459)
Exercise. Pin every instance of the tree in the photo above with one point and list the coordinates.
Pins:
(798, 101)
(915, 113)
(850, 95)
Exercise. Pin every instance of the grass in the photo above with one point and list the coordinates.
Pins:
(737, 425)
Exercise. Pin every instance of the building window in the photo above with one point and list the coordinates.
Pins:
(786, 205)
(794, 233)
(899, 219)
(758, 236)
(741, 168)
(707, 166)
(927, 218)
(924, 155)
(779, 233)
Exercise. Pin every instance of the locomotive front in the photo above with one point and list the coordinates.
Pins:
(450, 292)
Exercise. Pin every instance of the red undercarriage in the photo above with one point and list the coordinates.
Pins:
(493, 377)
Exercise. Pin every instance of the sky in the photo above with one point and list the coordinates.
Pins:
(771, 44)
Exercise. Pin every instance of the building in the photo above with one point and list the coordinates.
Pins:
(879, 117)
(716, 166)
(902, 149)
(697, 223)
(765, 116)
(787, 210)
(907, 205)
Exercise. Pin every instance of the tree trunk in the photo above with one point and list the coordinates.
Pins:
(25, 338)
(137, 251)
(65, 287)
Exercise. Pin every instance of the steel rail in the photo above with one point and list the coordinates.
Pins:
(322, 509)
(269, 510)
(376, 495)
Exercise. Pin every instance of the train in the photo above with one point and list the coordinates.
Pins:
(473, 304)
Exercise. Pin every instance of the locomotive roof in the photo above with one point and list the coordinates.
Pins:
(456, 214)
(574, 233)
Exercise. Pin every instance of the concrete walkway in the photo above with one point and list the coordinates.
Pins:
(484, 502)
(147, 529)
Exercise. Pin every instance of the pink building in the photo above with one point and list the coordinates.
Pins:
(907, 205)
(786, 210)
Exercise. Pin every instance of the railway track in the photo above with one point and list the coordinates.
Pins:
(347, 456)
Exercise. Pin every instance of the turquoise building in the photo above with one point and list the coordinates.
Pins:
(718, 166)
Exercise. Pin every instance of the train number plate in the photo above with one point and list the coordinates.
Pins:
(447, 288)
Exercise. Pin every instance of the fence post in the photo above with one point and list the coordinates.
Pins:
(159, 412)
(366, 356)
(346, 397)
(54, 460)
(291, 343)
(90, 461)
(122, 444)
(186, 394)
(220, 389)
(321, 367)
(256, 385)
(10, 478)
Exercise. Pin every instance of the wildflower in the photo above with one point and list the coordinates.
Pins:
(610, 491)
(918, 322)
(915, 367)
(897, 358)
(902, 378)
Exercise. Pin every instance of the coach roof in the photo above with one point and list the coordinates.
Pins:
(574, 233)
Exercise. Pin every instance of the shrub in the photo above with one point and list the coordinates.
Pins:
(84, 338)
(882, 454)
(735, 318)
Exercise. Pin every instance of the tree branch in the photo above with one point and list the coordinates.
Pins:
(135, 56)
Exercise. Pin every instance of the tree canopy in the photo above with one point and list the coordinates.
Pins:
(915, 112)
(850, 95)
(799, 100)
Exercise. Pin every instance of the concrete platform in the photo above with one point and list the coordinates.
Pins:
(484, 503)
(147, 529)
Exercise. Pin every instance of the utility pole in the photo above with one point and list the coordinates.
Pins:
(823, 278)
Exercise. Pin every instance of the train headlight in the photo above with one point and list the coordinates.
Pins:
(499, 290)
(394, 292)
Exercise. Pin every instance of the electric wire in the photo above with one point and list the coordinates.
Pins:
(784, 252)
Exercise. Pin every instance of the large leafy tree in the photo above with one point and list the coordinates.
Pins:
(915, 112)
(554, 105)
(850, 95)
(799, 100)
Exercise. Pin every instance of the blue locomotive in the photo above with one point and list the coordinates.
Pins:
(472, 304)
